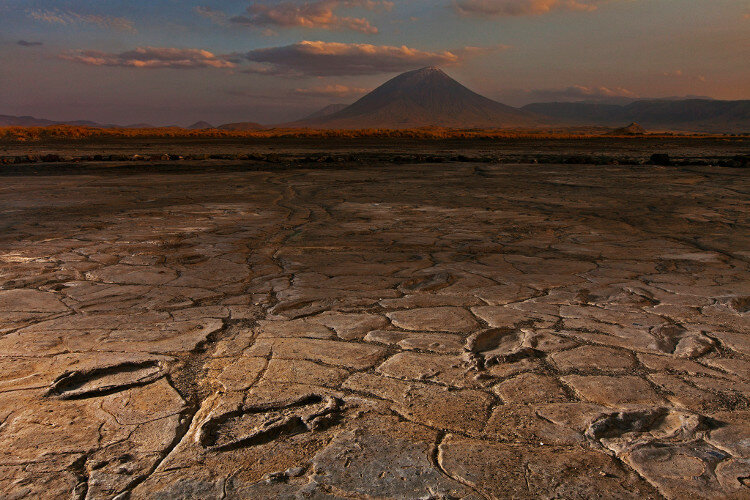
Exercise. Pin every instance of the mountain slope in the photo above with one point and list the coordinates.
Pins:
(425, 97)
(30, 121)
(327, 111)
(700, 115)
(580, 113)
(241, 126)
(201, 125)
(24, 121)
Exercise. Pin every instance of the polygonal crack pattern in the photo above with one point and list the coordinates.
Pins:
(378, 330)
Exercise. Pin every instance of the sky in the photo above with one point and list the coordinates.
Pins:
(179, 61)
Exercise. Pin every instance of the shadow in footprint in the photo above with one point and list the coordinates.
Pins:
(259, 424)
(100, 381)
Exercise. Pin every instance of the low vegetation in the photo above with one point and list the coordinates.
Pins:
(22, 134)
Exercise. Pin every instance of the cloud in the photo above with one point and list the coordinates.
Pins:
(580, 92)
(678, 73)
(310, 14)
(337, 59)
(67, 18)
(522, 7)
(217, 16)
(575, 93)
(331, 91)
(25, 43)
(152, 57)
(306, 58)
(470, 51)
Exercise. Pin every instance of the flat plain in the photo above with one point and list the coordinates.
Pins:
(365, 327)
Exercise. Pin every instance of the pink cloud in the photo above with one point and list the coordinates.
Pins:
(318, 14)
(678, 73)
(522, 7)
(331, 59)
(574, 93)
(152, 57)
(331, 91)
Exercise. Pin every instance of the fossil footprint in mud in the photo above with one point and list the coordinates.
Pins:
(618, 430)
(427, 283)
(498, 345)
(252, 425)
(99, 381)
(674, 339)
(667, 446)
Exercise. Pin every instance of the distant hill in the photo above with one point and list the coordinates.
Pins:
(632, 129)
(30, 121)
(327, 111)
(696, 115)
(241, 126)
(24, 121)
(138, 125)
(200, 126)
(425, 97)
(429, 97)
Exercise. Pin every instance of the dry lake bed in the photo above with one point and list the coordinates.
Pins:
(374, 330)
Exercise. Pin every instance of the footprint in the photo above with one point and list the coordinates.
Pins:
(428, 283)
(626, 429)
(498, 345)
(259, 424)
(99, 381)
(666, 446)
(674, 339)
(740, 304)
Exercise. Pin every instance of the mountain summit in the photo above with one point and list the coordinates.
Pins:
(425, 97)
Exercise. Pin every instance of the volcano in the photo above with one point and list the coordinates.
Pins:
(424, 97)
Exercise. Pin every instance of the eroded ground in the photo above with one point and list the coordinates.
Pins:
(397, 331)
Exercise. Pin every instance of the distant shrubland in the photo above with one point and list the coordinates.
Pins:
(21, 134)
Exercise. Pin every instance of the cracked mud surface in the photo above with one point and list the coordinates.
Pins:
(392, 331)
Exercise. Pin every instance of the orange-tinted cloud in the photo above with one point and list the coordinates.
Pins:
(332, 59)
(678, 73)
(522, 7)
(318, 14)
(152, 57)
(331, 91)
(574, 93)
(577, 92)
